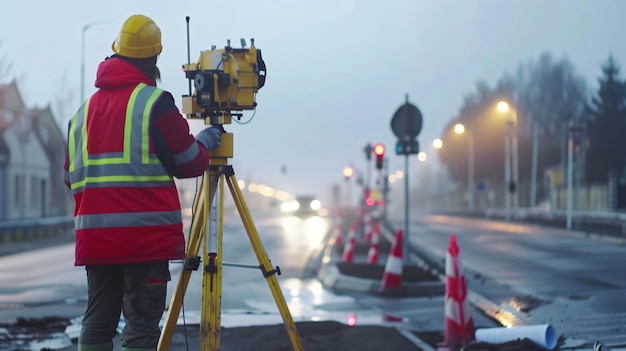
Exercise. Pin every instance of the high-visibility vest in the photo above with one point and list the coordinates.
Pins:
(127, 206)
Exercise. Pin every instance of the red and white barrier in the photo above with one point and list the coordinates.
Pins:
(348, 249)
(338, 233)
(392, 278)
(372, 254)
(367, 226)
(458, 319)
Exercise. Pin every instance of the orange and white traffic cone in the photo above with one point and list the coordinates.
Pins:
(348, 249)
(392, 278)
(338, 234)
(458, 319)
(367, 226)
(372, 254)
(338, 238)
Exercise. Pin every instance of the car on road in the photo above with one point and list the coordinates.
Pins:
(302, 206)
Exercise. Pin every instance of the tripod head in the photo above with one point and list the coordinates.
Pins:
(225, 83)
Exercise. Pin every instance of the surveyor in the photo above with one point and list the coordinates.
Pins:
(126, 144)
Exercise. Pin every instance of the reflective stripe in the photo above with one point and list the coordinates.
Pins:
(75, 141)
(452, 311)
(187, 155)
(134, 164)
(117, 173)
(146, 158)
(103, 183)
(132, 219)
(394, 265)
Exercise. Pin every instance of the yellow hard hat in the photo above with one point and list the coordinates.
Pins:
(139, 37)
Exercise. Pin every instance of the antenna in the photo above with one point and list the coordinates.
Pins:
(188, 52)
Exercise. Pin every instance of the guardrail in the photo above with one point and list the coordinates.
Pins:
(36, 228)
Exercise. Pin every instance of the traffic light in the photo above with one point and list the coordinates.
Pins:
(368, 151)
(407, 147)
(379, 151)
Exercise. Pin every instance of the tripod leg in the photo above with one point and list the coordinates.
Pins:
(269, 272)
(197, 232)
(210, 326)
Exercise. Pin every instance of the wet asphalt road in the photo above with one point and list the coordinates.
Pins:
(539, 275)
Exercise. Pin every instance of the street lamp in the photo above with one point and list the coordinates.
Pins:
(422, 156)
(510, 150)
(459, 128)
(347, 174)
(437, 143)
(82, 56)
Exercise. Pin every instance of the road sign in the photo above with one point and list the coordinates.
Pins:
(406, 123)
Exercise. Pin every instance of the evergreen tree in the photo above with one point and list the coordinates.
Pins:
(607, 127)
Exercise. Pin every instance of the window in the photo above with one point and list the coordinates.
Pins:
(18, 190)
(34, 191)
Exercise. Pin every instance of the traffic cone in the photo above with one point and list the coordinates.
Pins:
(348, 249)
(458, 319)
(392, 278)
(338, 238)
(338, 234)
(372, 254)
(367, 226)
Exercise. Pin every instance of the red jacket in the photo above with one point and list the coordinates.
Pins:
(120, 168)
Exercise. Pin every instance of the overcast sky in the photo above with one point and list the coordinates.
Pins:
(337, 69)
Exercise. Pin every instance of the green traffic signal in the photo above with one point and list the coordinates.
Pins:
(399, 149)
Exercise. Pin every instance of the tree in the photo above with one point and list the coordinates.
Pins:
(64, 102)
(607, 108)
(550, 95)
(6, 68)
(545, 91)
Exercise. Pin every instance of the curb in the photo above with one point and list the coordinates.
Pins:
(331, 278)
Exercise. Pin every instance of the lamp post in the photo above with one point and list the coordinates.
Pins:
(437, 143)
(459, 128)
(510, 149)
(82, 56)
(347, 174)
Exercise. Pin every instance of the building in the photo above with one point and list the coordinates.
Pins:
(31, 161)
(53, 140)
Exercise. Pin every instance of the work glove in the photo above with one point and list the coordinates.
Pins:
(210, 137)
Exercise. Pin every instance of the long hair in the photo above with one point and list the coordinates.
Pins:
(146, 65)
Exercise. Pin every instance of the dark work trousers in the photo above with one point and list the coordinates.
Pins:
(138, 291)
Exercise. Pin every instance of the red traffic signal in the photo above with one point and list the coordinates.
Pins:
(379, 151)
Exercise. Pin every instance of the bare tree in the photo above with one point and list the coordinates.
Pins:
(63, 105)
(6, 67)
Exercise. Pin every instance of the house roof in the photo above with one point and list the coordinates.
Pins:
(4, 89)
(46, 116)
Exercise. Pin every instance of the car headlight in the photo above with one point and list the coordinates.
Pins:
(315, 205)
(289, 206)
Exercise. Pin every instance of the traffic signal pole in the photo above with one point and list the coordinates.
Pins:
(405, 242)
(406, 124)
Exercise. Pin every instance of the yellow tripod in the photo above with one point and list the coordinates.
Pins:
(210, 233)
